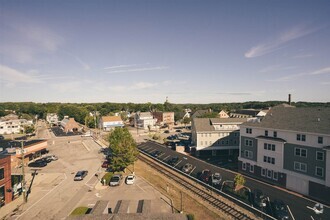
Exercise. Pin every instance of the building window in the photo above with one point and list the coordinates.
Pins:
(300, 166)
(301, 137)
(201, 142)
(265, 146)
(266, 133)
(269, 159)
(300, 152)
(248, 154)
(269, 147)
(320, 140)
(275, 176)
(275, 134)
(251, 168)
(201, 134)
(248, 142)
(249, 130)
(319, 155)
(269, 174)
(263, 172)
(243, 166)
(2, 173)
(319, 171)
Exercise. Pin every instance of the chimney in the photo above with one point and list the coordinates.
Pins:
(289, 99)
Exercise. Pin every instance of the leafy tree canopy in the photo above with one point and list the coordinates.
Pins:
(123, 148)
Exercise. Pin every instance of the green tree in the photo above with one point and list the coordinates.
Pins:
(186, 121)
(239, 181)
(123, 148)
(29, 129)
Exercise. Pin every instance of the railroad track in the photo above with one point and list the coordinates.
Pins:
(202, 193)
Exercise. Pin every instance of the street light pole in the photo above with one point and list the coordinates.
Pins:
(23, 173)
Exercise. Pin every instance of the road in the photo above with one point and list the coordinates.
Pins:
(296, 203)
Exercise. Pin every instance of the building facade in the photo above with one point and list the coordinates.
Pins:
(109, 122)
(216, 136)
(52, 118)
(69, 125)
(14, 126)
(5, 180)
(289, 148)
(164, 118)
(144, 120)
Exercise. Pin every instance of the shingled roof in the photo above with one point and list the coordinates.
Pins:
(313, 120)
(206, 124)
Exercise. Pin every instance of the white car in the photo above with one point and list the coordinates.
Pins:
(130, 179)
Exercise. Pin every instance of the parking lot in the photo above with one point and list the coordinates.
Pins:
(55, 194)
(297, 206)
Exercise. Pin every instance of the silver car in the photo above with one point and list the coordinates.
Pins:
(187, 168)
(115, 180)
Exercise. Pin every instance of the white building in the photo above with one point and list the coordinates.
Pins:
(289, 148)
(52, 118)
(15, 126)
(213, 136)
(109, 122)
(144, 120)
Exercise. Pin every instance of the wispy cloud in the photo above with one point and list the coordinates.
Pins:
(287, 78)
(248, 93)
(278, 43)
(84, 65)
(135, 86)
(276, 68)
(325, 83)
(13, 76)
(302, 56)
(119, 66)
(321, 71)
(139, 69)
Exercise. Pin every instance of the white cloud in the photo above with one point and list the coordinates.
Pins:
(139, 69)
(321, 71)
(119, 66)
(134, 87)
(13, 76)
(279, 42)
(276, 68)
(325, 83)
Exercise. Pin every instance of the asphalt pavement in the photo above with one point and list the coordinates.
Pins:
(299, 207)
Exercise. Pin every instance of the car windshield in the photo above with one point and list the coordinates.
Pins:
(115, 178)
(216, 176)
(130, 177)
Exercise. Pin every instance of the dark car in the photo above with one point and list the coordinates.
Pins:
(166, 131)
(156, 153)
(105, 164)
(205, 176)
(187, 168)
(280, 210)
(173, 160)
(39, 163)
(80, 175)
(259, 199)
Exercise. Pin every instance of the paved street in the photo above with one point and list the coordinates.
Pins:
(54, 194)
(297, 203)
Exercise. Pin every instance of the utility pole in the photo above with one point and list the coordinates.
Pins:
(181, 203)
(23, 173)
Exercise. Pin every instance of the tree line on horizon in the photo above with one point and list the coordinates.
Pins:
(80, 111)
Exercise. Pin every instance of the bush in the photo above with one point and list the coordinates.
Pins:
(107, 178)
(190, 217)
(80, 211)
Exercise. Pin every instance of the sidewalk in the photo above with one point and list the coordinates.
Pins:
(8, 210)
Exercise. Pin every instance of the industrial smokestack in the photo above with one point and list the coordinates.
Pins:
(289, 99)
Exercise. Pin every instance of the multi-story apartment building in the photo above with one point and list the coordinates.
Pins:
(164, 118)
(14, 126)
(216, 136)
(289, 147)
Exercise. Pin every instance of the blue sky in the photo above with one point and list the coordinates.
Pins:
(144, 51)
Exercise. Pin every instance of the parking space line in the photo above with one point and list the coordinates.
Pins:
(166, 157)
(192, 170)
(177, 163)
(290, 212)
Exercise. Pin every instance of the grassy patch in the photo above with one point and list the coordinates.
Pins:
(80, 211)
(107, 177)
(242, 194)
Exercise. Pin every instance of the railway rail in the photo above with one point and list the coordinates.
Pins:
(203, 193)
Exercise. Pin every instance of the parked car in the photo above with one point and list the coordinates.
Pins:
(259, 199)
(173, 160)
(156, 153)
(115, 180)
(205, 176)
(166, 131)
(216, 179)
(105, 164)
(187, 167)
(178, 130)
(130, 179)
(280, 210)
(38, 163)
(80, 175)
